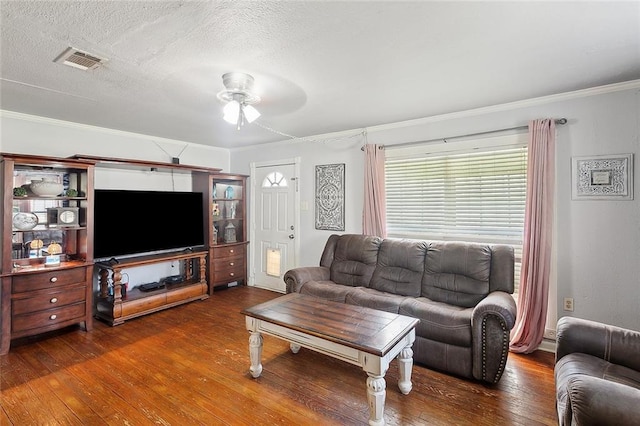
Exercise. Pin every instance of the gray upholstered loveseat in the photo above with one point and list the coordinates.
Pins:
(461, 292)
(597, 374)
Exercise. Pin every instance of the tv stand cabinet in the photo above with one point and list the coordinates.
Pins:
(116, 308)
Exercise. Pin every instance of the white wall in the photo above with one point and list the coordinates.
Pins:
(598, 242)
(27, 134)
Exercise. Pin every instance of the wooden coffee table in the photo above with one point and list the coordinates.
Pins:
(362, 336)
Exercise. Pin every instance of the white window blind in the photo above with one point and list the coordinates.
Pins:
(466, 192)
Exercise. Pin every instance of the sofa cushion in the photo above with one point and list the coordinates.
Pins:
(374, 299)
(573, 369)
(439, 321)
(329, 251)
(457, 273)
(326, 290)
(502, 268)
(400, 267)
(579, 363)
(354, 260)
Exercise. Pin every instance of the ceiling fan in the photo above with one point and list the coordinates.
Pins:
(239, 98)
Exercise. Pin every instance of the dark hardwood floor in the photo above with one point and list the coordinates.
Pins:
(189, 366)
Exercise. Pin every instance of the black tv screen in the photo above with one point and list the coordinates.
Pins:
(144, 222)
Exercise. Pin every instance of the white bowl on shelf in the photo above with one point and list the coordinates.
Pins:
(45, 187)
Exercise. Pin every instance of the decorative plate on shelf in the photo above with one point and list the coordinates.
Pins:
(25, 221)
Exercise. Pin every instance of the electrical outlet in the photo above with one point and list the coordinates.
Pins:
(568, 304)
(549, 334)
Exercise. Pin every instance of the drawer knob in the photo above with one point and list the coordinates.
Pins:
(53, 279)
(230, 263)
(231, 251)
(232, 274)
(52, 317)
(54, 300)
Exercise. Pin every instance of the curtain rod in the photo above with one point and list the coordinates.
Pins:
(557, 121)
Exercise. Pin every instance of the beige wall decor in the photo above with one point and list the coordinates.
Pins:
(602, 177)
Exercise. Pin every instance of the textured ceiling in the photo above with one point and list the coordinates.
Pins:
(319, 66)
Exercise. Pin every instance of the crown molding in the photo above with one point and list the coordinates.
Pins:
(340, 136)
(594, 91)
(105, 130)
(347, 134)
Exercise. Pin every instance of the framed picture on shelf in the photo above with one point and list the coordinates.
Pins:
(602, 177)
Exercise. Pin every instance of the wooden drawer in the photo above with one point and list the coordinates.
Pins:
(228, 251)
(53, 279)
(220, 264)
(227, 275)
(49, 300)
(48, 318)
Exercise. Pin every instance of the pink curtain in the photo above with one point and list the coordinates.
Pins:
(374, 215)
(536, 252)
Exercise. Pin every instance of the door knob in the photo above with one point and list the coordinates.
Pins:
(291, 236)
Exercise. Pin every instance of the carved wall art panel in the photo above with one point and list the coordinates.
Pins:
(330, 197)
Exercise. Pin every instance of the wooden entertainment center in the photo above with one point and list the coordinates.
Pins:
(47, 274)
(120, 306)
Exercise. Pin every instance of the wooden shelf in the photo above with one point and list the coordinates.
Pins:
(40, 267)
(117, 308)
(136, 293)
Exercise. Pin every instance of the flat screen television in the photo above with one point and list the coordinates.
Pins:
(145, 222)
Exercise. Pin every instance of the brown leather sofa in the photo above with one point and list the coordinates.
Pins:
(597, 374)
(461, 292)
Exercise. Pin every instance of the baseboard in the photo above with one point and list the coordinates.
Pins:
(547, 345)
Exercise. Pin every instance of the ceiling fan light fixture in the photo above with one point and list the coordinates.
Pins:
(250, 113)
(231, 112)
(239, 98)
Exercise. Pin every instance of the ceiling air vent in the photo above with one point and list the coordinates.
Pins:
(79, 59)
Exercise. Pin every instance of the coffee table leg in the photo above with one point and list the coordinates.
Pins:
(405, 363)
(255, 353)
(376, 394)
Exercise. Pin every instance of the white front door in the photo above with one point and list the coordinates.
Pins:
(274, 225)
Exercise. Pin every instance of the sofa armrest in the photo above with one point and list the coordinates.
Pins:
(596, 401)
(491, 323)
(614, 344)
(297, 277)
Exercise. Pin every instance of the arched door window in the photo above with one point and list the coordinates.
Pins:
(274, 179)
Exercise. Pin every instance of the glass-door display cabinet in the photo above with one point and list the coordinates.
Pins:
(225, 226)
(47, 245)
